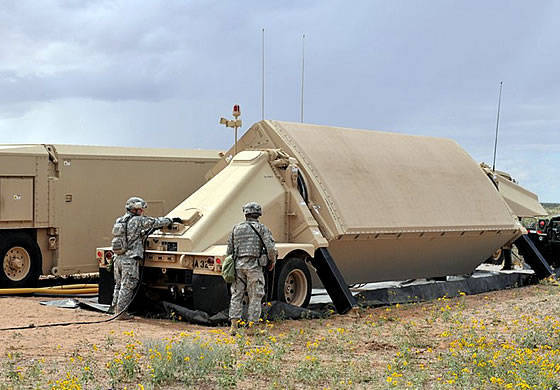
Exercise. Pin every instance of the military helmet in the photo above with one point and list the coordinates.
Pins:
(135, 203)
(252, 208)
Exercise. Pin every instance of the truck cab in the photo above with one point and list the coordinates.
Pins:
(548, 238)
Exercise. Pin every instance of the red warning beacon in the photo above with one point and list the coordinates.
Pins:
(236, 111)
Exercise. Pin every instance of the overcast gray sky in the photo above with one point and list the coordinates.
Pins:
(148, 73)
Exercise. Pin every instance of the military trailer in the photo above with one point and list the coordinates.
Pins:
(58, 203)
(523, 203)
(384, 206)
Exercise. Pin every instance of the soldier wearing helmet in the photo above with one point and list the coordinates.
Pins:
(126, 265)
(252, 246)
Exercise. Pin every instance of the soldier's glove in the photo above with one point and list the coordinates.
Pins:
(177, 220)
(271, 265)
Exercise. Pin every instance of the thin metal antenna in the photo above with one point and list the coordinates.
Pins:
(262, 92)
(497, 126)
(302, 72)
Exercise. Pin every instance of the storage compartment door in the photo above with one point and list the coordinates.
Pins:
(16, 199)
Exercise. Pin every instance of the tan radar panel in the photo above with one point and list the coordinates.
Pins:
(387, 182)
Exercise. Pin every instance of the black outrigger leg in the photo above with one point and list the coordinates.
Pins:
(533, 257)
(333, 281)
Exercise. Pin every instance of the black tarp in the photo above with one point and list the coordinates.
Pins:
(273, 312)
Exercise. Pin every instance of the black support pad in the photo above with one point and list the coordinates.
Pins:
(210, 293)
(106, 286)
(533, 257)
(481, 282)
(332, 280)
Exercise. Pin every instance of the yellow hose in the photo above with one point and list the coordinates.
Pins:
(71, 286)
(55, 290)
(70, 291)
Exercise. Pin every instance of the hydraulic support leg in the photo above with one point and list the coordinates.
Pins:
(508, 263)
(333, 281)
(533, 257)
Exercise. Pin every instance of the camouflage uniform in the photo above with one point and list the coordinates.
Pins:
(249, 274)
(126, 266)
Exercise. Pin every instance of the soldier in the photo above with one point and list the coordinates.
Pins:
(247, 242)
(126, 266)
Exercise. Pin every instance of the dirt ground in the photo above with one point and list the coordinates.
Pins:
(60, 341)
(57, 343)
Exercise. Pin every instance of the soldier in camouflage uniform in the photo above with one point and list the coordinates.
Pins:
(246, 247)
(126, 266)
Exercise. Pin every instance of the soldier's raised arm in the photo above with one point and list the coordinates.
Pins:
(154, 223)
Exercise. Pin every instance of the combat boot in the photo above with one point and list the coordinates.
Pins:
(125, 316)
(233, 326)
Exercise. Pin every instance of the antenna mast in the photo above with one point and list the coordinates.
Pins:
(302, 71)
(497, 125)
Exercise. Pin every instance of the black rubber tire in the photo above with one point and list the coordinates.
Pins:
(9, 240)
(295, 269)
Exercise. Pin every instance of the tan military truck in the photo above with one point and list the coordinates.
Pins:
(385, 206)
(58, 203)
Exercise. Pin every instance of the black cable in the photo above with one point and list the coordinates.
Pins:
(270, 289)
(32, 326)
(273, 275)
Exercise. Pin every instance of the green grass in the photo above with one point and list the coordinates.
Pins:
(552, 208)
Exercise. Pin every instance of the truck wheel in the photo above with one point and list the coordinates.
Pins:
(21, 260)
(293, 284)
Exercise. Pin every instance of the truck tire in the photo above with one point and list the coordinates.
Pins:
(21, 260)
(293, 284)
